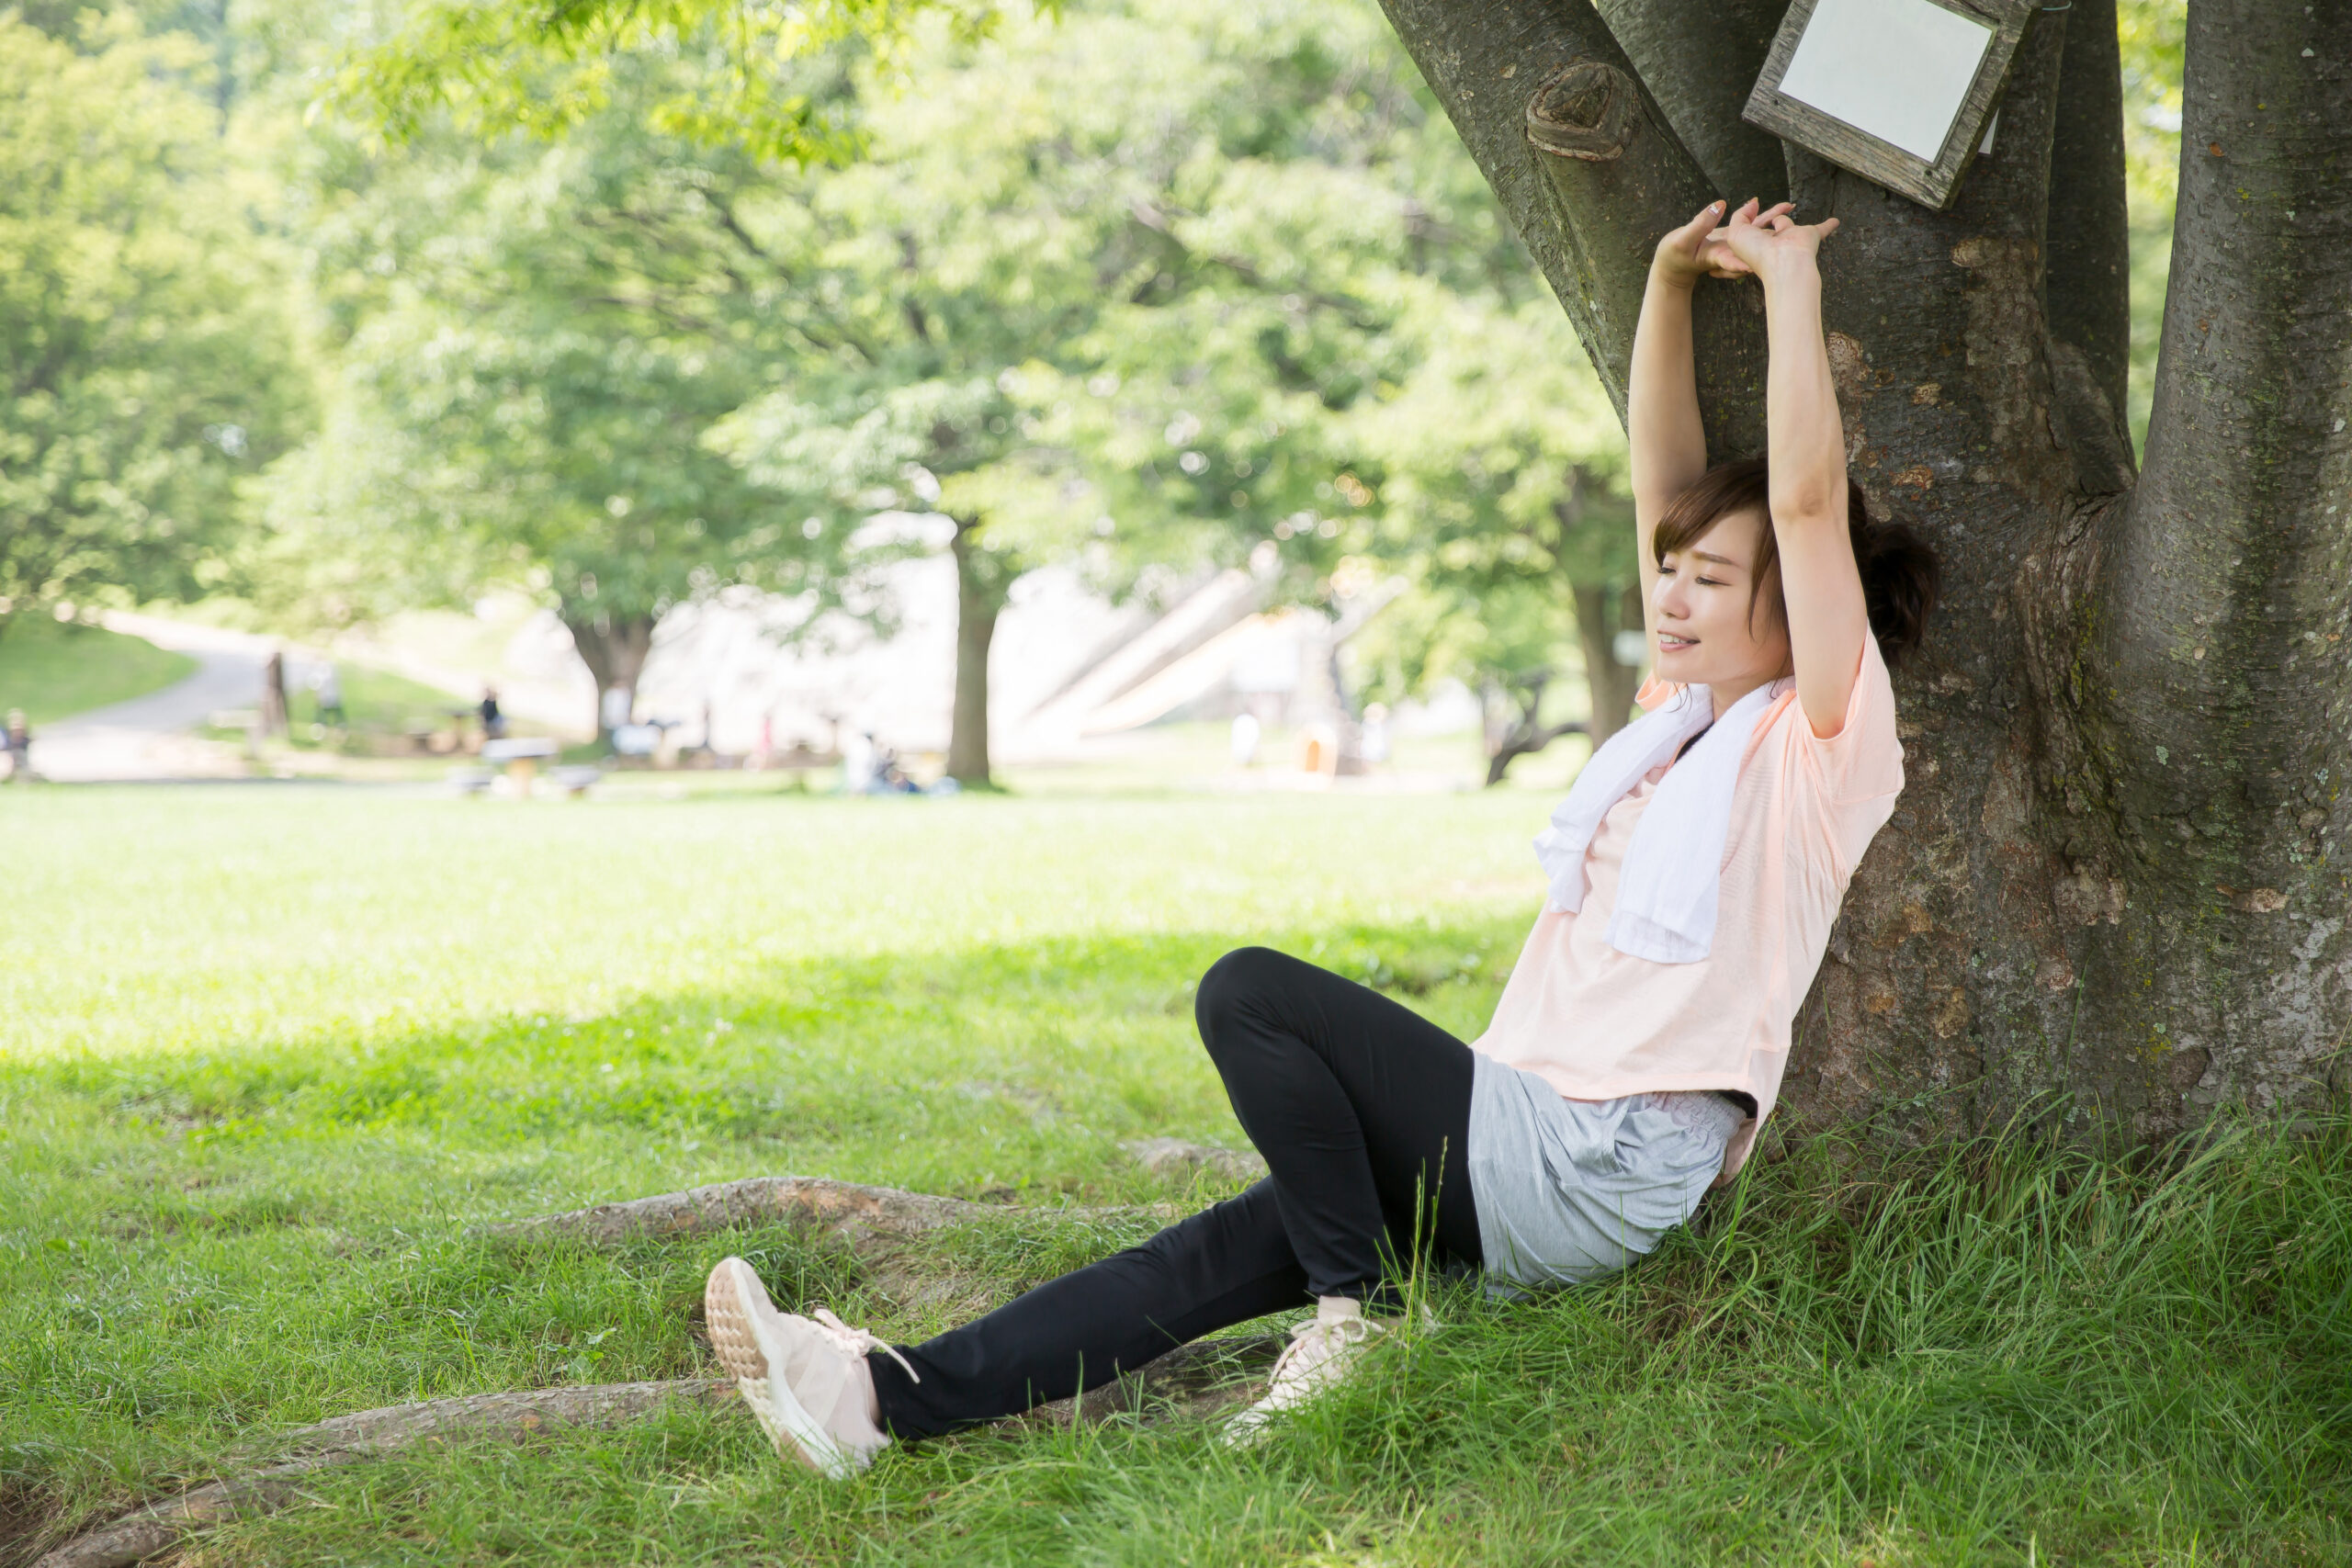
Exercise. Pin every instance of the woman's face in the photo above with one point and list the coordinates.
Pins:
(1706, 633)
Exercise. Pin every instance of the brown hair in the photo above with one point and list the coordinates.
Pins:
(1900, 573)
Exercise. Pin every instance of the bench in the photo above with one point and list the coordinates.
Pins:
(521, 756)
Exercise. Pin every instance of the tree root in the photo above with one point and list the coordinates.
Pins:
(874, 1222)
(158, 1526)
(1190, 1382)
(847, 1209)
(1193, 1381)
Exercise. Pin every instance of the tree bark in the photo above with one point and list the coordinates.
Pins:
(1703, 90)
(614, 647)
(2107, 891)
(1590, 210)
(981, 580)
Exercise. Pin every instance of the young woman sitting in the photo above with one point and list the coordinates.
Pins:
(1694, 872)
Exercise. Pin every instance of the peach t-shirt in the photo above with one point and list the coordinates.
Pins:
(1598, 1024)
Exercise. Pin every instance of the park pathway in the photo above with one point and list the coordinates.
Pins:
(151, 737)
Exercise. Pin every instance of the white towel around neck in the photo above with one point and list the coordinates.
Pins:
(1667, 891)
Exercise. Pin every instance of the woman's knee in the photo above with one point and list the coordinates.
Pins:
(1229, 986)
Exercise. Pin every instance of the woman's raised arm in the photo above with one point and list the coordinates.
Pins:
(1805, 449)
(1668, 446)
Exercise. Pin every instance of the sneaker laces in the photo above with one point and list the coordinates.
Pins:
(1317, 1333)
(863, 1341)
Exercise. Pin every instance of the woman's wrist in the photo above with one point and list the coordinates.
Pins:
(1794, 269)
(1666, 271)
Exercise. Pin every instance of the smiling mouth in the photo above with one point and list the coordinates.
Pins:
(1668, 642)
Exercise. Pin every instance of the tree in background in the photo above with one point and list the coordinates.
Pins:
(1283, 370)
(1119, 277)
(532, 340)
(143, 362)
(1505, 503)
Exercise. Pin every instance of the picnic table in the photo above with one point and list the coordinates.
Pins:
(521, 756)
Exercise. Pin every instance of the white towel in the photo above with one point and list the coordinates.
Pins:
(1667, 892)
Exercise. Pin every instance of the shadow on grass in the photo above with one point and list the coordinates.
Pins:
(2003, 1351)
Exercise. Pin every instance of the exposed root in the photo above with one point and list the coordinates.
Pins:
(1191, 1379)
(501, 1414)
(1174, 1156)
(158, 1526)
(1191, 1383)
(849, 1210)
(846, 1208)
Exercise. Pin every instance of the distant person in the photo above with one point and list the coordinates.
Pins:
(493, 722)
(326, 693)
(273, 693)
(19, 745)
(1693, 873)
(860, 763)
(1244, 740)
(890, 777)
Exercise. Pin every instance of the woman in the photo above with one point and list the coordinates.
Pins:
(1694, 873)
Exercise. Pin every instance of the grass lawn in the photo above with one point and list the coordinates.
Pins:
(266, 1054)
(52, 671)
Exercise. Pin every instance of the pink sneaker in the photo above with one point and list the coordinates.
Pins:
(805, 1379)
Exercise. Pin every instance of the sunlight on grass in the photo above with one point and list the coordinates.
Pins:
(270, 1054)
(53, 671)
(189, 920)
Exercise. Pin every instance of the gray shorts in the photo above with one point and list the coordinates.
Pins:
(1568, 1190)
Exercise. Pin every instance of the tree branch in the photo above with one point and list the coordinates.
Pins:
(1701, 59)
(1353, 312)
(1591, 209)
(2088, 274)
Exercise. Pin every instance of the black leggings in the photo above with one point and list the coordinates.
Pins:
(1360, 1106)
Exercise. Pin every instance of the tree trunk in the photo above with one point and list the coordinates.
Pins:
(1605, 601)
(2107, 891)
(1511, 705)
(1604, 610)
(614, 647)
(981, 581)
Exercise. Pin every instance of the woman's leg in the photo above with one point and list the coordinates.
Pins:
(1225, 1265)
(1361, 1107)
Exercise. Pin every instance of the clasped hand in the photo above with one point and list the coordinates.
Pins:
(1749, 243)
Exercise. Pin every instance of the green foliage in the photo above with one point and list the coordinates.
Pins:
(142, 362)
(51, 670)
(544, 70)
(533, 343)
(238, 1181)
(2152, 35)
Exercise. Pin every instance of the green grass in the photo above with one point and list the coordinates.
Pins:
(264, 1055)
(52, 670)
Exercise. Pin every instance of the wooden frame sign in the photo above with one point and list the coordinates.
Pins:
(1898, 91)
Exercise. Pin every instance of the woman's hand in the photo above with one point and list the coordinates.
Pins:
(1698, 249)
(1765, 243)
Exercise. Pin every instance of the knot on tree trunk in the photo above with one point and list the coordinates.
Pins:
(1587, 111)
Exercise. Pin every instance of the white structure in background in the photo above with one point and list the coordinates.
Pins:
(1067, 666)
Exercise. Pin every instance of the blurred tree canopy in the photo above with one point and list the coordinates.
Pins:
(144, 365)
(531, 340)
(349, 310)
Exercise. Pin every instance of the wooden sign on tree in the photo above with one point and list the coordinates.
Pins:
(1898, 91)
